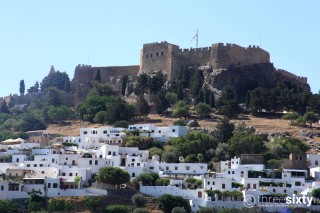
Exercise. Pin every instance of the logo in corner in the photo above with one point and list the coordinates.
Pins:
(249, 201)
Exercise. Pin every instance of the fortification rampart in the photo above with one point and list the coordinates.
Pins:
(85, 74)
(169, 58)
(300, 79)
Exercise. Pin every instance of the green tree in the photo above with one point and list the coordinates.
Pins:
(246, 143)
(53, 96)
(93, 203)
(113, 175)
(169, 157)
(4, 108)
(316, 193)
(30, 122)
(122, 124)
(155, 151)
(119, 110)
(142, 106)
(34, 89)
(203, 110)
(58, 114)
(196, 84)
(282, 147)
(161, 102)
(22, 87)
(142, 84)
(101, 117)
(139, 200)
(167, 202)
(224, 130)
(124, 82)
(8, 206)
(155, 82)
(193, 143)
(148, 179)
(314, 103)
(56, 79)
(171, 98)
(311, 117)
(98, 76)
(181, 110)
(292, 116)
(101, 89)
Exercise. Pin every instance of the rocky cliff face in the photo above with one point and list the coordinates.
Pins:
(245, 78)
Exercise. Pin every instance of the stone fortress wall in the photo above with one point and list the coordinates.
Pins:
(169, 58)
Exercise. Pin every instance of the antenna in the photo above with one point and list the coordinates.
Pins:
(196, 37)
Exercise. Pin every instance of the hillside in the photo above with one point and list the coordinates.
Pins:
(263, 125)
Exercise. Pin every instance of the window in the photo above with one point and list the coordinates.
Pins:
(109, 153)
(133, 174)
(254, 186)
(28, 165)
(35, 165)
(151, 55)
(85, 132)
(285, 191)
(157, 54)
(167, 167)
(297, 183)
(173, 130)
(300, 158)
(151, 167)
(213, 182)
(49, 185)
(229, 172)
(233, 172)
(248, 185)
(175, 168)
(274, 190)
(241, 174)
(133, 160)
(96, 162)
(105, 132)
(17, 160)
(138, 164)
(41, 165)
(208, 182)
(187, 167)
(55, 185)
(162, 53)
(63, 174)
(90, 162)
(223, 186)
(316, 163)
(70, 174)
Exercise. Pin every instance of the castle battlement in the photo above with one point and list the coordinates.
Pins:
(169, 58)
(155, 43)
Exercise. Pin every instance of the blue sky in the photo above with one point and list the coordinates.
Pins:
(36, 34)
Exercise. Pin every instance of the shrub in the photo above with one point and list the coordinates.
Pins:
(119, 209)
(180, 123)
(122, 123)
(140, 210)
(178, 210)
(138, 200)
(93, 202)
(56, 205)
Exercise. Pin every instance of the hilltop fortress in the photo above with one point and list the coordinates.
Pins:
(169, 58)
(228, 65)
(241, 68)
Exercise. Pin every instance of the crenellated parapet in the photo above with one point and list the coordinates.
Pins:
(169, 58)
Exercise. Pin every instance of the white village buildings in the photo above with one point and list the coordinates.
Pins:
(68, 171)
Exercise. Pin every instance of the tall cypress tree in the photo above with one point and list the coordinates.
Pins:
(98, 76)
(22, 87)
